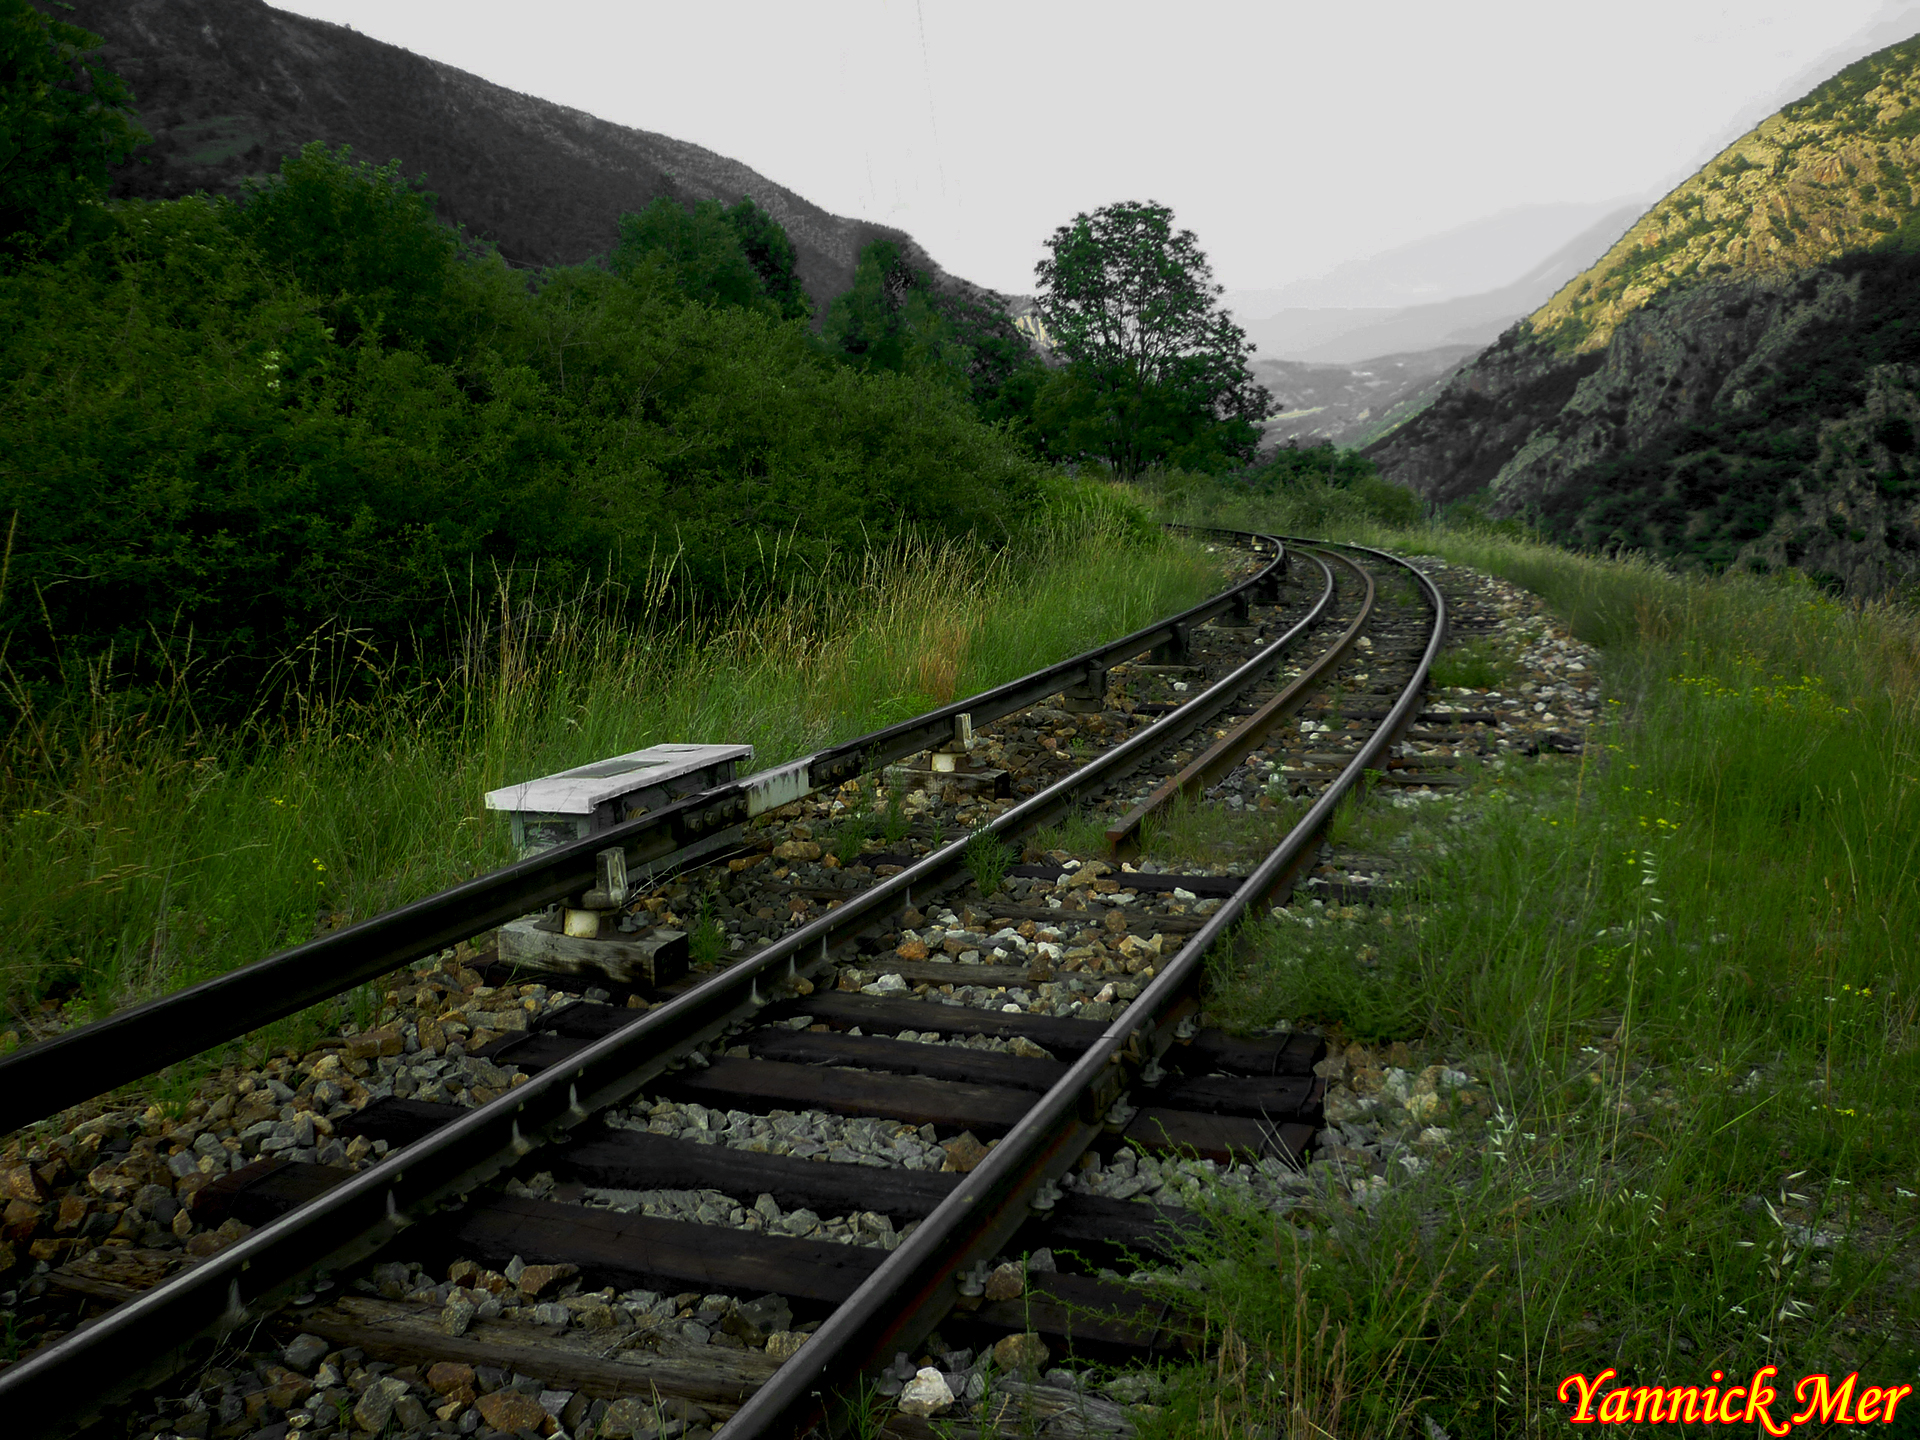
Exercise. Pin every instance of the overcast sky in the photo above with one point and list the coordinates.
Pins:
(1290, 136)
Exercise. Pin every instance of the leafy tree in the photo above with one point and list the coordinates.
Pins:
(63, 124)
(770, 251)
(698, 251)
(894, 318)
(889, 321)
(241, 468)
(1157, 373)
(362, 240)
(1003, 373)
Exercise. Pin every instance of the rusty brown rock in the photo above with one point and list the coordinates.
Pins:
(447, 1376)
(537, 1278)
(1007, 1282)
(21, 1219)
(510, 1410)
(964, 1152)
(912, 950)
(114, 1183)
(73, 1212)
(287, 1388)
(370, 1044)
(1021, 1353)
(18, 1182)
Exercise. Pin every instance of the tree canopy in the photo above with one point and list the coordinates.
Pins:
(63, 124)
(1156, 371)
(896, 319)
(317, 406)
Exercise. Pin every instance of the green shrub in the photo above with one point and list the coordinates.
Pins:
(234, 424)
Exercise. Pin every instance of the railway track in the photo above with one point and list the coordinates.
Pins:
(898, 1076)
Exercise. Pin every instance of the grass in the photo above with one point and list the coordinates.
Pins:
(1191, 831)
(1687, 967)
(1475, 664)
(988, 857)
(140, 853)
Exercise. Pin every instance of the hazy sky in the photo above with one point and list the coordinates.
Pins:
(1290, 136)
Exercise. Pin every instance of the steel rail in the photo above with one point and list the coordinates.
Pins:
(46, 1077)
(904, 1297)
(140, 1342)
(1229, 750)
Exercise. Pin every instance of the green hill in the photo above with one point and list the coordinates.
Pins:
(1830, 174)
(1737, 381)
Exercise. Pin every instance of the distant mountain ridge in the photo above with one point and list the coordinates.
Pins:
(226, 87)
(1737, 381)
(1335, 335)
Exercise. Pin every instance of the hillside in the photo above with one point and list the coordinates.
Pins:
(227, 87)
(1832, 173)
(1727, 385)
(1351, 404)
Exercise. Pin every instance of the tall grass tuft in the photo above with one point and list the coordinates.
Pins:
(142, 851)
(1685, 966)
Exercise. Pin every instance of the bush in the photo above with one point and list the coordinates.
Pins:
(1322, 487)
(233, 424)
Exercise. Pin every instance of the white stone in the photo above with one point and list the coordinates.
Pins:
(927, 1393)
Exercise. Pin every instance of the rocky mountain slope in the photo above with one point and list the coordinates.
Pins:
(1351, 404)
(1730, 383)
(1829, 174)
(226, 87)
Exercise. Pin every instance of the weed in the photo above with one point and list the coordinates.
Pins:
(140, 852)
(1198, 832)
(1684, 970)
(1475, 664)
(708, 940)
(851, 837)
(988, 857)
(894, 824)
(1079, 832)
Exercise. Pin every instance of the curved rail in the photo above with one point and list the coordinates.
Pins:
(44, 1078)
(899, 1303)
(139, 1342)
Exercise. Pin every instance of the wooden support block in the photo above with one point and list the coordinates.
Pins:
(951, 972)
(876, 1015)
(640, 1252)
(1162, 1131)
(631, 1160)
(263, 1191)
(909, 1057)
(1103, 1231)
(396, 1121)
(534, 1051)
(1211, 1050)
(995, 784)
(777, 1085)
(1293, 1098)
(648, 957)
(1082, 1310)
(594, 1362)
